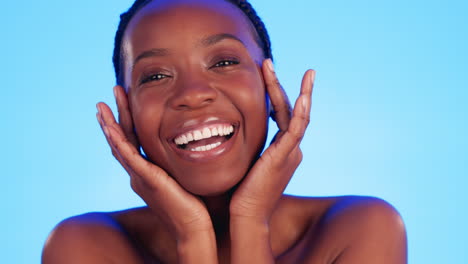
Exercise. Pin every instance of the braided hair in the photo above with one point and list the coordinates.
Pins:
(262, 38)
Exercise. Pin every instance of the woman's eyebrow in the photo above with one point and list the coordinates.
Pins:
(150, 53)
(208, 41)
(213, 39)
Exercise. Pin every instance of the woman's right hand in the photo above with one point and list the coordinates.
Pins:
(184, 214)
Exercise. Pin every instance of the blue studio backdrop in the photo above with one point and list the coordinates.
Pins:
(389, 115)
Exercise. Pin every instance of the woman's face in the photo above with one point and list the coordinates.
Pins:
(196, 92)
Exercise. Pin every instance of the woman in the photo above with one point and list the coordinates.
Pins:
(195, 88)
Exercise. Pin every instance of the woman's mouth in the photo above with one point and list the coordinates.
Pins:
(205, 139)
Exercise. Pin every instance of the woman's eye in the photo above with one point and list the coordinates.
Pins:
(153, 77)
(225, 63)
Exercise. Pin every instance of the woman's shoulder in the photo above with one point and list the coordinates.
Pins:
(96, 237)
(336, 229)
(324, 210)
(321, 208)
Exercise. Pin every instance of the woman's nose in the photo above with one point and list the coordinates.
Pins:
(192, 94)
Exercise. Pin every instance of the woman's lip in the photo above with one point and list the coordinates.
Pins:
(202, 156)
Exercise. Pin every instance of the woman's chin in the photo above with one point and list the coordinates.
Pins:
(212, 187)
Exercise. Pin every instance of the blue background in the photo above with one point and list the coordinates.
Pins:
(389, 115)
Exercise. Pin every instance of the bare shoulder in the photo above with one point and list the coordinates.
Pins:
(350, 229)
(368, 230)
(89, 238)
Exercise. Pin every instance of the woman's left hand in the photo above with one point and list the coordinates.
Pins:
(257, 196)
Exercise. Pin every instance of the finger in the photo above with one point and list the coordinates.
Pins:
(125, 117)
(307, 85)
(300, 117)
(141, 172)
(107, 117)
(279, 100)
(104, 111)
(112, 138)
(148, 180)
(137, 182)
(105, 130)
(130, 158)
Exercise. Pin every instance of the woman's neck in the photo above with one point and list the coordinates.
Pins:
(218, 208)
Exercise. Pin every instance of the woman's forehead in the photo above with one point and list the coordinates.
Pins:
(161, 24)
(177, 15)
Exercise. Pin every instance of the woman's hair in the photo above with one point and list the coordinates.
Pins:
(262, 37)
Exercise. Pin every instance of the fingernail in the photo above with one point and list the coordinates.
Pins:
(106, 131)
(270, 65)
(312, 78)
(115, 91)
(97, 107)
(304, 104)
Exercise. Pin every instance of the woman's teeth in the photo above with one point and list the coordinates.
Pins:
(207, 147)
(205, 133)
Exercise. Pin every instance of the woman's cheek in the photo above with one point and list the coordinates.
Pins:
(147, 114)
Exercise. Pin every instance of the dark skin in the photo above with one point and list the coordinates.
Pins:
(225, 204)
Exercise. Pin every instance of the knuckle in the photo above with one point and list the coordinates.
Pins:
(296, 157)
(306, 119)
(274, 80)
(300, 156)
(297, 135)
(279, 108)
(277, 82)
(134, 185)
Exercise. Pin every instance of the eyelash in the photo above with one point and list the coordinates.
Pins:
(160, 76)
(226, 63)
(153, 77)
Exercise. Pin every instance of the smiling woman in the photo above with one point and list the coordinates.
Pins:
(195, 89)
